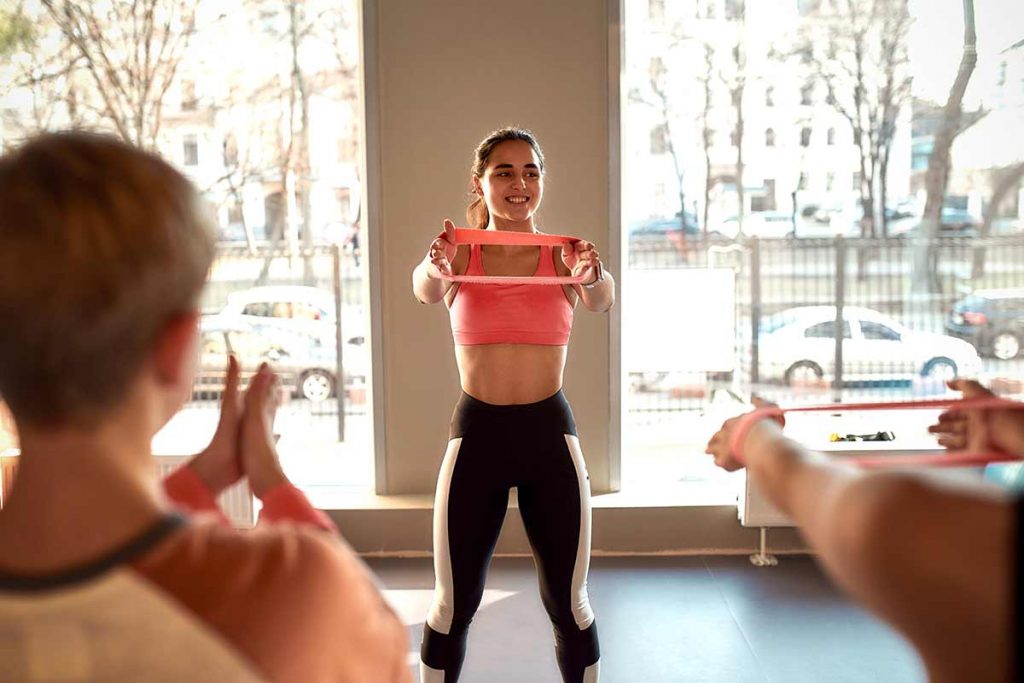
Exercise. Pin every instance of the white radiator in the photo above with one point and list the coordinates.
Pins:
(236, 502)
(813, 430)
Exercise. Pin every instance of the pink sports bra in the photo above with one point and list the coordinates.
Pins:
(510, 314)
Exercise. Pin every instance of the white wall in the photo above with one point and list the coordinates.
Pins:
(439, 77)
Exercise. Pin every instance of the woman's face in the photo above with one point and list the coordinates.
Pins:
(512, 184)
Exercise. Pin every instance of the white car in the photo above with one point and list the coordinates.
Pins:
(761, 224)
(292, 327)
(292, 309)
(797, 346)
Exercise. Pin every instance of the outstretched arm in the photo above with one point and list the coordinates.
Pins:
(427, 285)
(933, 560)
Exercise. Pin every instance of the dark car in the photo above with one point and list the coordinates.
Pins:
(954, 223)
(664, 229)
(958, 221)
(990, 319)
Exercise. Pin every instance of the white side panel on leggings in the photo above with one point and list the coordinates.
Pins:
(429, 675)
(581, 611)
(441, 614)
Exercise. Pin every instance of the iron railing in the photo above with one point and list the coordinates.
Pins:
(897, 333)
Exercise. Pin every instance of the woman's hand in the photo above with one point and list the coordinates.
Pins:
(720, 445)
(979, 431)
(442, 253)
(257, 443)
(220, 466)
(580, 256)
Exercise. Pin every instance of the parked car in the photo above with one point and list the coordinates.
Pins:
(761, 224)
(797, 346)
(954, 223)
(287, 308)
(900, 219)
(958, 220)
(653, 230)
(306, 367)
(294, 329)
(992, 320)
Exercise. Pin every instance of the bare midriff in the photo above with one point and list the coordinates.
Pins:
(507, 374)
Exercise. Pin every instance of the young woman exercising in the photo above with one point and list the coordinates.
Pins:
(512, 426)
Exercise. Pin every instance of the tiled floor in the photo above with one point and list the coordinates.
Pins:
(662, 620)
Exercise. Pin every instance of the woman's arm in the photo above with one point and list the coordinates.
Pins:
(598, 294)
(601, 296)
(933, 560)
(427, 285)
(980, 431)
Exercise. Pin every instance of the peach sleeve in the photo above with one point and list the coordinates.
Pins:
(189, 492)
(283, 503)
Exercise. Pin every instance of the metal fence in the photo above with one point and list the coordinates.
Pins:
(835, 319)
(857, 325)
(304, 314)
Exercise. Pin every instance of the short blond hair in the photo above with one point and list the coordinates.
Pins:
(101, 246)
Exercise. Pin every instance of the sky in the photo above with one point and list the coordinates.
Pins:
(936, 43)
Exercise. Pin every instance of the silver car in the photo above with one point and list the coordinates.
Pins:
(797, 346)
(294, 328)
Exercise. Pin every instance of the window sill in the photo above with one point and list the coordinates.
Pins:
(635, 495)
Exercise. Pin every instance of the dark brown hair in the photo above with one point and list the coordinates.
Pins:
(101, 245)
(477, 215)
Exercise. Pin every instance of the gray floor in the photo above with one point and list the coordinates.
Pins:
(672, 619)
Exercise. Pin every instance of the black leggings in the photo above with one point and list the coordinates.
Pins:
(492, 448)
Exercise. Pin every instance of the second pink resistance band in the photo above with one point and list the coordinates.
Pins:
(507, 237)
(944, 460)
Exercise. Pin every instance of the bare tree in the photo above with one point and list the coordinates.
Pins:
(130, 52)
(667, 95)
(1006, 180)
(736, 82)
(865, 75)
(43, 70)
(243, 165)
(302, 27)
(671, 91)
(298, 139)
(925, 278)
(706, 132)
(660, 89)
(894, 95)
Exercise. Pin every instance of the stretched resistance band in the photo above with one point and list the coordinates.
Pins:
(944, 460)
(508, 237)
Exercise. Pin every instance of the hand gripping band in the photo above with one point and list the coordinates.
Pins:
(508, 237)
(945, 460)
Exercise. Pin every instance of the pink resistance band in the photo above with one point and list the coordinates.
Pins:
(945, 460)
(508, 237)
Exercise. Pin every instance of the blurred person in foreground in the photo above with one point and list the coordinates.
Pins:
(107, 573)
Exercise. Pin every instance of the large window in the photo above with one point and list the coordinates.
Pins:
(258, 104)
(711, 314)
